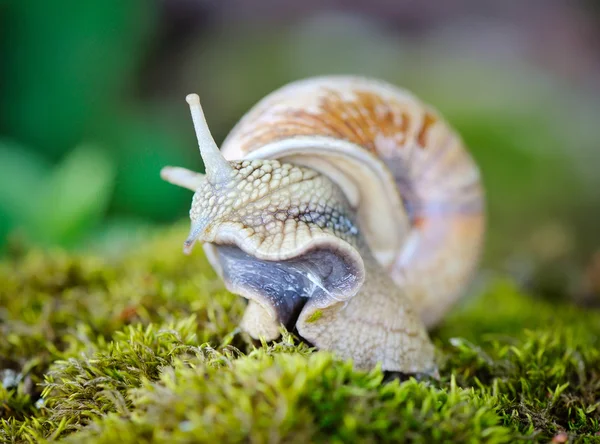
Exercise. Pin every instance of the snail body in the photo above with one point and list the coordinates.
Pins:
(344, 207)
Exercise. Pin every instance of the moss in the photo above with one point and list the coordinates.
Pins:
(293, 398)
(541, 360)
(145, 348)
(315, 316)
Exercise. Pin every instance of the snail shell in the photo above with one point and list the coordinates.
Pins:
(419, 197)
(398, 175)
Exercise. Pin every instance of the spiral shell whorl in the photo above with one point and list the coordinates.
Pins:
(436, 178)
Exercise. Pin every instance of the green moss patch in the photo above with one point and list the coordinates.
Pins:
(145, 348)
(315, 316)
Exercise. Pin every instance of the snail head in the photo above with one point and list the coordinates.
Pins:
(268, 224)
(268, 208)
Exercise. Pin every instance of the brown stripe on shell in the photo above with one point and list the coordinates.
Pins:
(360, 121)
(428, 121)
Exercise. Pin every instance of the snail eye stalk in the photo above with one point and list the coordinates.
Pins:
(217, 168)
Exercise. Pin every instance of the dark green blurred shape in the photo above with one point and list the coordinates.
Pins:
(74, 145)
(143, 145)
(54, 205)
(67, 65)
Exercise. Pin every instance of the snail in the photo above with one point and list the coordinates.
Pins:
(345, 208)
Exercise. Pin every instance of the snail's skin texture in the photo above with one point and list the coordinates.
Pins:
(345, 208)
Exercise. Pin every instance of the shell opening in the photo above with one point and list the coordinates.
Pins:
(322, 275)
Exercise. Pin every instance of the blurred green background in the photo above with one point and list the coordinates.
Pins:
(91, 107)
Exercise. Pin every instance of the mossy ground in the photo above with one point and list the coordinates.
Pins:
(145, 348)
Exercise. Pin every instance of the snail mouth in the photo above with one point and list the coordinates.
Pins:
(283, 287)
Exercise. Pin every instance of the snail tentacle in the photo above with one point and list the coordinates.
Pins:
(182, 177)
(217, 168)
